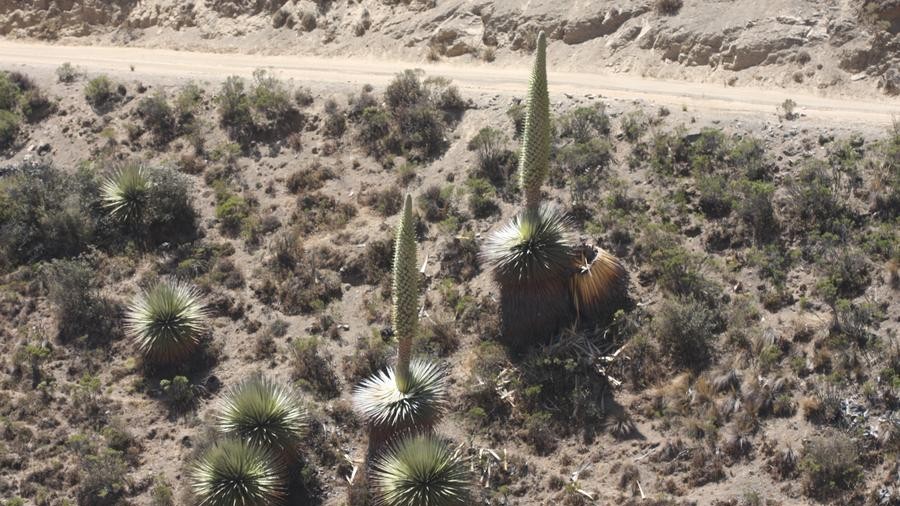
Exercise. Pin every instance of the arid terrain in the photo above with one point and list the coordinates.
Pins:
(741, 159)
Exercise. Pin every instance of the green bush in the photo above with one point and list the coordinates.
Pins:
(67, 73)
(10, 93)
(9, 128)
(235, 112)
(669, 153)
(158, 117)
(81, 312)
(481, 198)
(633, 125)
(45, 213)
(100, 92)
(830, 466)
(232, 211)
(104, 478)
(755, 209)
(813, 203)
(313, 365)
(584, 124)
(686, 329)
(262, 111)
(406, 90)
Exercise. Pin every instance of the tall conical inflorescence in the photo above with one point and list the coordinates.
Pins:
(545, 281)
(411, 395)
(405, 294)
(534, 160)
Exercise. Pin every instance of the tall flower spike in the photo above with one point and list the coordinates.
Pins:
(534, 160)
(405, 293)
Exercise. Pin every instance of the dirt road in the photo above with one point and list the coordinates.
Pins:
(485, 79)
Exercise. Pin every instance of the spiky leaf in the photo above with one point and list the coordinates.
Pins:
(405, 292)
(263, 413)
(383, 405)
(421, 471)
(125, 192)
(234, 473)
(533, 246)
(166, 322)
(534, 160)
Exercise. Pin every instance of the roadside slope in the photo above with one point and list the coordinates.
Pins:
(482, 79)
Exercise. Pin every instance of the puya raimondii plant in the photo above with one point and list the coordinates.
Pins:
(166, 322)
(411, 395)
(546, 280)
(411, 467)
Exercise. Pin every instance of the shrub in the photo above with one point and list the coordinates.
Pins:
(406, 90)
(44, 213)
(9, 128)
(830, 465)
(481, 198)
(374, 128)
(100, 93)
(846, 275)
(686, 329)
(748, 156)
(67, 73)
(633, 125)
(586, 123)
(178, 392)
(232, 211)
(235, 112)
(812, 201)
(386, 202)
(271, 100)
(158, 117)
(299, 283)
(104, 478)
(668, 7)
(787, 109)
(422, 129)
(489, 145)
(669, 153)
(35, 106)
(10, 93)
(754, 207)
(166, 322)
(317, 212)
(314, 366)
(583, 163)
(435, 203)
(303, 97)
(74, 291)
(309, 179)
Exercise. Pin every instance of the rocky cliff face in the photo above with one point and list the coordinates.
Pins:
(817, 42)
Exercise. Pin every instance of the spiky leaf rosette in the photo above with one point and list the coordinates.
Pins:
(598, 280)
(535, 245)
(235, 473)
(421, 470)
(263, 413)
(534, 160)
(166, 322)
(531, 260)
(387, 409)
(125, 192)
(405, 293)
